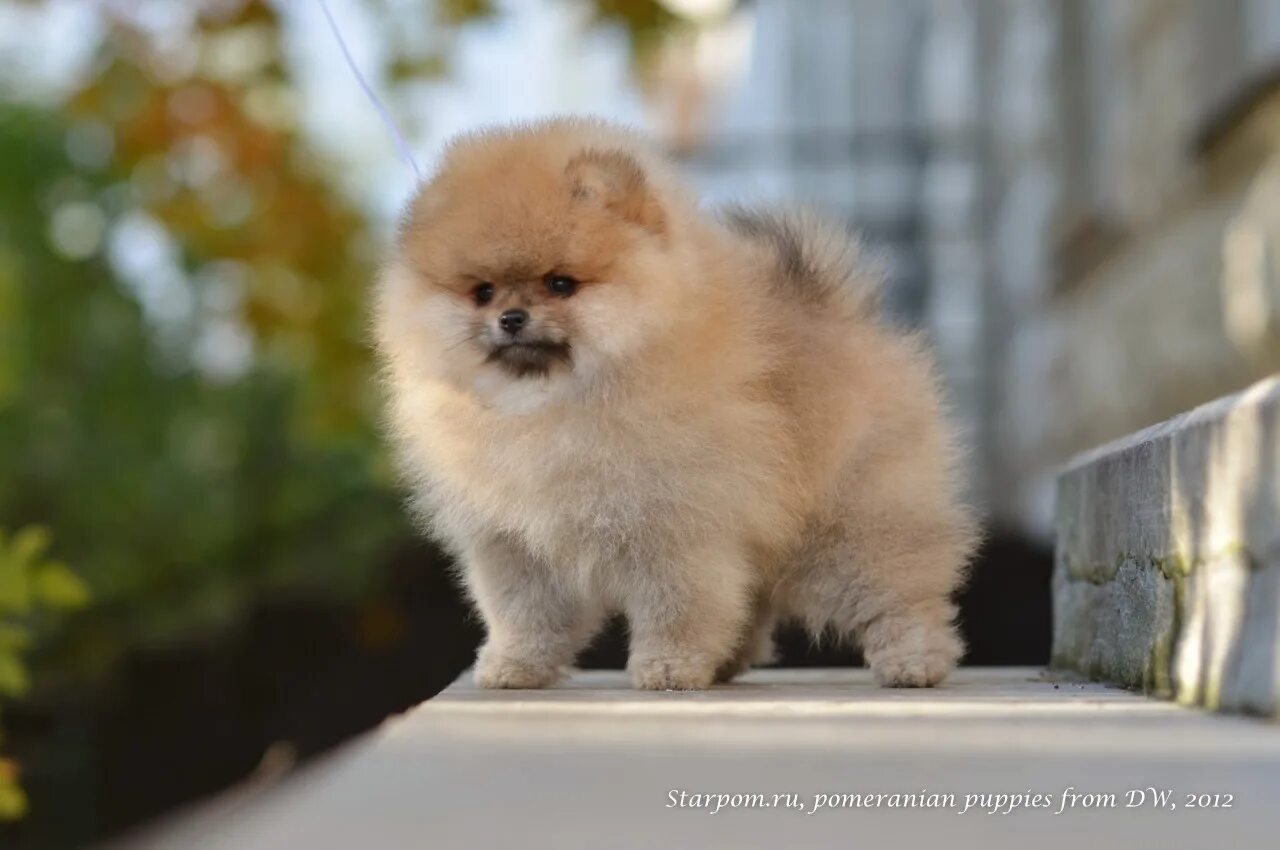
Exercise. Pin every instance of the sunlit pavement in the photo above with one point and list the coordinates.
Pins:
(996, 757)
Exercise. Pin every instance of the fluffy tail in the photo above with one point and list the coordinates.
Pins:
(818, 261)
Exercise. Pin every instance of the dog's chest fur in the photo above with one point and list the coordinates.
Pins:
(592, 486)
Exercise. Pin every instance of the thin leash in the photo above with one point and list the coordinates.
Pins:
(402, 144)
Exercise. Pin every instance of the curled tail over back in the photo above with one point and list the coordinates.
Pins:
(818, 261)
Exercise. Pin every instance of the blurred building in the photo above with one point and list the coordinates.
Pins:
(1134, 186)
(1078, 199)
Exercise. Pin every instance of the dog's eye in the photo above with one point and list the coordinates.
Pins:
(483, 293)
(562, 285)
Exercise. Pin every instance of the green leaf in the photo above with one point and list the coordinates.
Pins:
(30, 543)
(460, 11)
(13, 676)
(13, 800)
(430, 67)
(57, 586)
(13, 638)
(15, 585)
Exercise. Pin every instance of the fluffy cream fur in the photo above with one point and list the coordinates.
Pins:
(709, 430)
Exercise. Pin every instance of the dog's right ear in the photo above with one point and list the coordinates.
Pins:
(615, 180)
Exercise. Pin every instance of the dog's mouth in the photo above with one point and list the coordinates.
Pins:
(535, 357)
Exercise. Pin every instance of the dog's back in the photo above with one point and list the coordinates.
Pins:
(817, 262)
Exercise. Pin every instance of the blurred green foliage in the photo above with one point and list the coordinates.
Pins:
(179, 496)
(33, 589)
(183, 492)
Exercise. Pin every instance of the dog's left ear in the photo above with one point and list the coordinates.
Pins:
(616, 180)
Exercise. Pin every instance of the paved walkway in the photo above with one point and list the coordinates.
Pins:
(593, 764)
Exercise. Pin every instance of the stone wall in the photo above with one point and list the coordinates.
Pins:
(1133, 251)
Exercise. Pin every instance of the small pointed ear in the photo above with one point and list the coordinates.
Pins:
(616, 180)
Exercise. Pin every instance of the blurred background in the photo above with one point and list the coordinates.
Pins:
(205, 572)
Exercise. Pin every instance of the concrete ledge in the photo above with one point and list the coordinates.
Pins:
(593, 764)
(1167, 574)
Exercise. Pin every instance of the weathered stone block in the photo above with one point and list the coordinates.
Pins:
(1167, 574)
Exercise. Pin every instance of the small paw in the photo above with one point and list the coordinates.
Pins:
(500, 671)
(672, 673)
(732, 669)
(922, 659)
(765, 652)
(911, 671)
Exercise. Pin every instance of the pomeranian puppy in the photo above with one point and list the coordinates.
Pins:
(607, 400)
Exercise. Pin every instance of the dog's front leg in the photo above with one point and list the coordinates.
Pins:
(687, 616)
(536, 621)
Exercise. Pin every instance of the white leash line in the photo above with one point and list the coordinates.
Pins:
(402, 145)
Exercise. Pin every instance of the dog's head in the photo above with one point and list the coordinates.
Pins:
(535, 257)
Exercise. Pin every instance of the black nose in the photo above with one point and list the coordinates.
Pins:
(513, 320)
